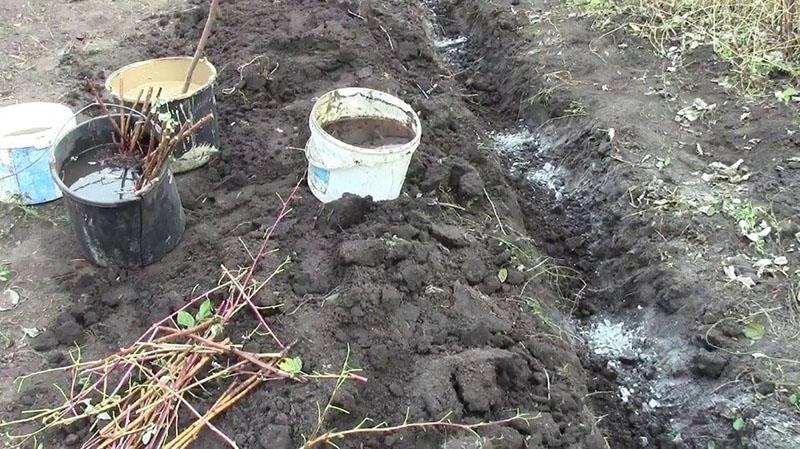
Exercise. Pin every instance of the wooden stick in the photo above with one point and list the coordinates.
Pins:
(145, 111)
(103, 108)
(212, 13)
(122, 127)
(232, 396)
(130, 118)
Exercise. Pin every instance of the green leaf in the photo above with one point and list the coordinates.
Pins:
(712, 444)
(738, 423)
(185, 319)
(502, 275)
(205, 311)
(787, 94)
(794, 399)
(291, 365)
(754, 330)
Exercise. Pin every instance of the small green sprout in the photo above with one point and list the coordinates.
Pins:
(291, 365)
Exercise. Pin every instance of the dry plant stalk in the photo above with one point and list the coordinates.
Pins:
(213, 10)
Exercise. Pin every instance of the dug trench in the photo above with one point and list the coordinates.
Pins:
(454, 299)
(668, 363)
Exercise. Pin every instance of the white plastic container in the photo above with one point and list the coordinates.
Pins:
(336, 167)
(27, 133)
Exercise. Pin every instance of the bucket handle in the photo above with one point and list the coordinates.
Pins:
(86, 108)
(61, 129)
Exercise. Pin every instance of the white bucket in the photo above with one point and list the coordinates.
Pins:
(27, 133)
(336, 167)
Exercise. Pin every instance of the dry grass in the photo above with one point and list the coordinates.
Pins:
(759, 38)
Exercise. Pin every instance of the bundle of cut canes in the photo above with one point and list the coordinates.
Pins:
(143, 139)
(141, 396)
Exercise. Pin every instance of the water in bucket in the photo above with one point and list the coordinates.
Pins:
(370, 132)
(100, 175)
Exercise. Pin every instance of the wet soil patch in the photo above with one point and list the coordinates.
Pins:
(370, 132)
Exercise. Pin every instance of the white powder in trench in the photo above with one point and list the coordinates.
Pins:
(611, 340)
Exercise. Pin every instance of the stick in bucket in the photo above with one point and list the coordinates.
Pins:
(201, 46)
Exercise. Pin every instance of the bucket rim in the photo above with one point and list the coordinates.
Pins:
(397, 102)
(67, 192)
(117, 73)
(57, 113)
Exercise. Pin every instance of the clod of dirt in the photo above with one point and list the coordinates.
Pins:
(276, 437)
(543, 431)
(72, 439)
(254, 82)
(113, 297)
(709, 364)
(474, 270)
(348, 211)
(85, 314)
(505, 438)
(470, 442)
(449, 235)
(765, 388)
(434, 387)
(787, 228)
(405, 231)
(491, 284)
(502, 258)
(467, 182)
(369, 253)
(414, 276)
(714, 339)
(435, 175)
(44, 342)
(67, 330)
(515, 277)
(470, 185)
(400, 250)
(477, 336)
(476, 379)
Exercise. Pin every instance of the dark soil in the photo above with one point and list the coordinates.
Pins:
(411, 287)
(653, 261)
(443, 296)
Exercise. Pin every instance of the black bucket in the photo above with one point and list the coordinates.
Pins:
(132, 232)
(169, 75)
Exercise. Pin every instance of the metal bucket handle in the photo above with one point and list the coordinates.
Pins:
(86, 108)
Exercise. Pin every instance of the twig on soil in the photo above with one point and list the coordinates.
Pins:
(391, 44)
(354, 14)
(382, 428)
(201, 45)
(494, 209)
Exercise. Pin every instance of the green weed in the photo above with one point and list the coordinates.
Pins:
(5, 274)
(758, 38)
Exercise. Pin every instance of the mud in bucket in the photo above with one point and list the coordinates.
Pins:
(169, 74)
(27, 132)
(362, 141)
(124, 228)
